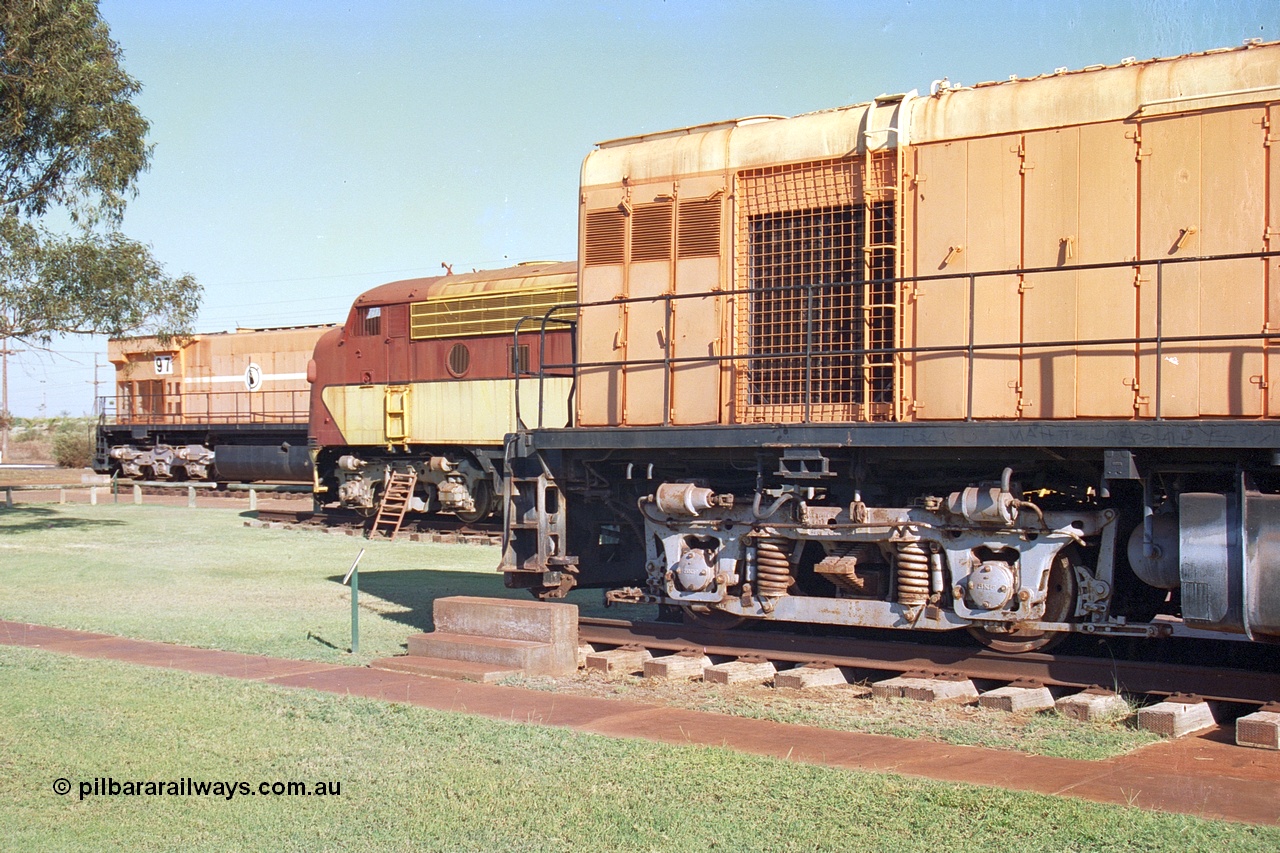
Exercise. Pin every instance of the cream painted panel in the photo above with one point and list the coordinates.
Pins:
(1051, 229)
(452, 412)
(1107, 300)
(600, 387)
(1171, 204)
(695, 386)
(939, 310)
(1232, 294)
(646, 340)
(995, 236)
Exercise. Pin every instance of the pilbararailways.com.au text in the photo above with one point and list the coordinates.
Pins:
(188, 787)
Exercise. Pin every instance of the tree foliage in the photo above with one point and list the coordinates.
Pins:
(72, 145)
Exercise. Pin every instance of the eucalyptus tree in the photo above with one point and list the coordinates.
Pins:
(72, 145)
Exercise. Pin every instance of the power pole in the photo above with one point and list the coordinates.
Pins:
(5, 352)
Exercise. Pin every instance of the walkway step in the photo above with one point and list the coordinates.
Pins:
(460, 670)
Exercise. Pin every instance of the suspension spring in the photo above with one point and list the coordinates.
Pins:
(773, 566)
(913, 574)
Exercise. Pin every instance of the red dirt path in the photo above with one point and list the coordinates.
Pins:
(1208, 776)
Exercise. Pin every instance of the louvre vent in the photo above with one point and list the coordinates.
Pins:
(699, 235)
(470, 315)
(651, 232)
(604, 239)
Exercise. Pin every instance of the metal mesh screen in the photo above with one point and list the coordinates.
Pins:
(816, 248)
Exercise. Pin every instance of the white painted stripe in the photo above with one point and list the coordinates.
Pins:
(266, 377)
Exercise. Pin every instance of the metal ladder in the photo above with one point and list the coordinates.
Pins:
(395, 501)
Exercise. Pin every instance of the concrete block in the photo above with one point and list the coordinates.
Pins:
(535, 621)
(584, 649)
(924, 687)
(1260, 729)
(1015, 699)
(679, 666)
(810, 675)
(1092, 705)
(741, 671)
(524, 655)
(620, 661)
(459, 670)
(1176, 718)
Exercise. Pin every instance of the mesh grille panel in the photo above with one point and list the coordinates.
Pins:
(814, 252)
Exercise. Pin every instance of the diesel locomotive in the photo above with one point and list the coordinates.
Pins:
(220, 406)
(993, 358)
(421, 383)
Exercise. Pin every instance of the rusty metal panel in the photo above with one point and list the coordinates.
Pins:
(1170, 205)
(940, 309)
(646, 339)
(600, 344)
(1049, 301)
(1233, 294)
(994, 224)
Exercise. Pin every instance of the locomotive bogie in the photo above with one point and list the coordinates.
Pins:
(462, 486)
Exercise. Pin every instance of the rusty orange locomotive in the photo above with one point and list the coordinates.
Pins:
(994, 358)
(218, 406)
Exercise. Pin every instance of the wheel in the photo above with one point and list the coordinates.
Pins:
(702, 616)
(1059, 606)
(486, 503)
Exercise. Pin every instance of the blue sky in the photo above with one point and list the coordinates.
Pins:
(307, 151)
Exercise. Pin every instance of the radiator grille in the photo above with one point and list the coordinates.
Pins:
(483, 313)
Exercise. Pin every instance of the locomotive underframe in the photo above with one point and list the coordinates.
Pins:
(200, 451)
(911, 526)
(461, 481)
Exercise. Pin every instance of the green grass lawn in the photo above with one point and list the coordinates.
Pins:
(414, 779)
(200, 578)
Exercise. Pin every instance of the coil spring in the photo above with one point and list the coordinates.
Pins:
(773, 567)
(913, 573)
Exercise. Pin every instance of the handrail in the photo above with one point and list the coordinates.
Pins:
(971, 348)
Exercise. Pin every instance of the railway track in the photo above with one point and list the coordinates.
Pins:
(883, 658)
(448, 530)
